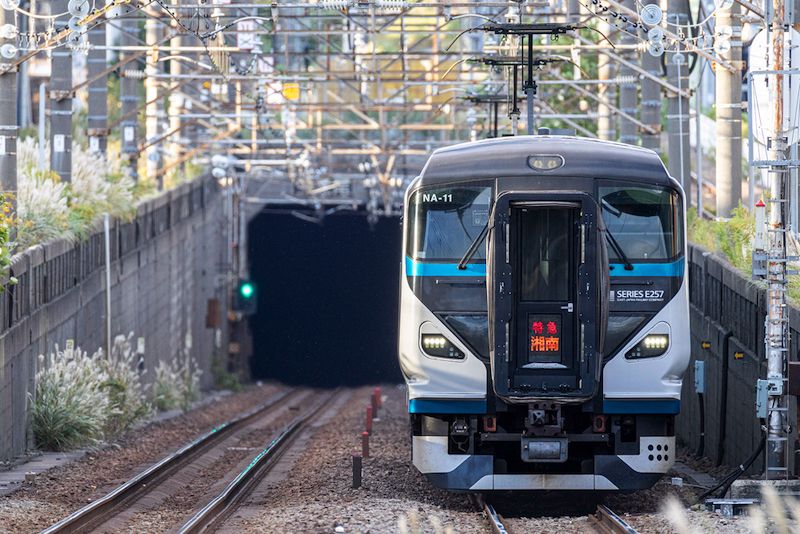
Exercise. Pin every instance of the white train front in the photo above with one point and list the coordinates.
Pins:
(544, 315)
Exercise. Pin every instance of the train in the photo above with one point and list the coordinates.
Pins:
(544, 315)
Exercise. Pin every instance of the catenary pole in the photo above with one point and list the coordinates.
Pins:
(628, 91)
(606, 91)
(61, 101)
(650, 112)
(729, 114)
(777, 320)
(8, 115)
(129, 98)
(97, 120)
(152, 30)
(678, 148)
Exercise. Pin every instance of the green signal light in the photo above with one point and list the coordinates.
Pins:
(246, 290)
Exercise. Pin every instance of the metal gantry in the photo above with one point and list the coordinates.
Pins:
(351, 79)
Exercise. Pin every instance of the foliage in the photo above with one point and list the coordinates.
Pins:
(731, 238)
(774, 513)
(48, 209)
(177, 382)
(223, 378)
(165, 389)
(42, 211)
(81, 399)
(126, 394)
(6, 245)
(70, 407)
(189, 379)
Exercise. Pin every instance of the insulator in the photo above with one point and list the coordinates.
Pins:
(627, 80)
(133, 74)
(335, 4)
(391, 5)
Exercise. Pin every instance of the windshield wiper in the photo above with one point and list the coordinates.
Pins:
(618, 249)
(473, 247)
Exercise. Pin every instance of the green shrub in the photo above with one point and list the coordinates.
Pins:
(48, 209)
(189, 373)
(69, 407)
(126, 394)
(733, 238)
(223, 378)
(80, 399)
(177, 382)
(165, 387)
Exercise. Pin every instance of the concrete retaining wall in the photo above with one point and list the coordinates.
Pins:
(727, 315)
(164, 270)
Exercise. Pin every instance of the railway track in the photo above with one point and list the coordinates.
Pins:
(496, 521)
(106, 508)
(603, 521)
(216, 510)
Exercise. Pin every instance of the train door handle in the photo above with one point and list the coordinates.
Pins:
(568, 307)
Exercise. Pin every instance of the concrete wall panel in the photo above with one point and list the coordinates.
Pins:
(164, 267)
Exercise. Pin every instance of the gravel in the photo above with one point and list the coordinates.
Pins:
(59, 491)
(315, 493)
(310, 488)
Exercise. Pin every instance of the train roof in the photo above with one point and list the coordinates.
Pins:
(508, 157)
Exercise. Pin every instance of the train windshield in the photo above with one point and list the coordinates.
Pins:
(644, 221)
(444, 221)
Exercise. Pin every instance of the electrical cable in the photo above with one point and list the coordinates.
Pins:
(739, 471)
(36, 16)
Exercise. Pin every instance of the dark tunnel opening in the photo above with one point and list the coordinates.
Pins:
(327, 299)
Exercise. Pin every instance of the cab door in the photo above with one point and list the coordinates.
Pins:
(543, 275)
(545, 239)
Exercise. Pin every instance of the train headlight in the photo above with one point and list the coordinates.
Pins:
(437, 345)
(651, 346)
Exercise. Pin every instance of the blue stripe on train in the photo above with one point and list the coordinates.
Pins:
(470, 406)
(664, 406)
(428, 406)
(649, 269)
(418, 268)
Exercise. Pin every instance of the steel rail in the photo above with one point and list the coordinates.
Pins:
(606, 521)
(95, 513)
(218, 508)
(496, 522)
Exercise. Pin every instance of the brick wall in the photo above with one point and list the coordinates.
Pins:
(727, 312)
(164, 269)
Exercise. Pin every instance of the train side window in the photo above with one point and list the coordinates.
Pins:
(646, 221)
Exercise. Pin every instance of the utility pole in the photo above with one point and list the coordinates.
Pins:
(98, 90)
(152, 32)
(729, 114)
(606, 91)
(698, 128)
(777, 325)
(530, 87)
(678, 146)
(8, 114)
(61, 101)
(651, 99)
(628, 91)
(176, 101)
(129, 97)
(24, 101)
